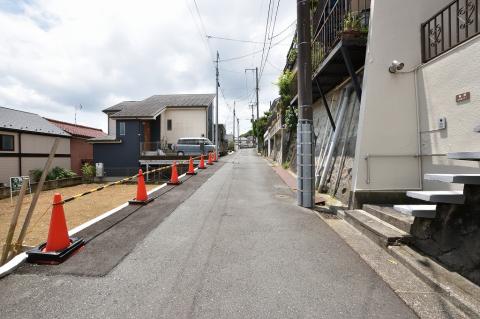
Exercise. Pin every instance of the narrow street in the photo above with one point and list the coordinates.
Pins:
(238, 247)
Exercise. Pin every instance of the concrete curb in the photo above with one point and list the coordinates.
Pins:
(18, 260)
(461, 292)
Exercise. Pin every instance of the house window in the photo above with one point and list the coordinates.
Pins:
(169, 125)
(6, 143)
(121, 128)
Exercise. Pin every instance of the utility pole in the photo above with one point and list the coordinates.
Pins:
(216, 111)
(256, 88)
(256, 81)
(238, 132)
(233, 130)
(305, 155)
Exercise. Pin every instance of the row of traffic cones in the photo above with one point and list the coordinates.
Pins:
(142, 197)
(60, 245)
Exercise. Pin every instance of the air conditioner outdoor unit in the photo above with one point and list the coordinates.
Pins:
(99, 169)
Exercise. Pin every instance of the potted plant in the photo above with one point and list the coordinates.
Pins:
(352, 26)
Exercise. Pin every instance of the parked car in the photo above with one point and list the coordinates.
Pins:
(193, 146)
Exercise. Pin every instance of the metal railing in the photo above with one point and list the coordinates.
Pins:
(451, 26)
(332, 20)
(154, 148)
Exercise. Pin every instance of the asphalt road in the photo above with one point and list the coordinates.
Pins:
(238, 247)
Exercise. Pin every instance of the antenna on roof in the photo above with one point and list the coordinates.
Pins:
(79, 108)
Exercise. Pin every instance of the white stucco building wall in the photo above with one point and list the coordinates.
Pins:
(388, 124)
(32, 144)
(186, 122)
(439, 81)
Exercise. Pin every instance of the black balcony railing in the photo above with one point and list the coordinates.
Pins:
(453, 25)
(333, 20)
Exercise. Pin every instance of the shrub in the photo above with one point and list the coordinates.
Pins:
(60, 173)
(88, 170)
(35, 175)
(291, 118)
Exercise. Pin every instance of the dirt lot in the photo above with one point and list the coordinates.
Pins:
(77, 212)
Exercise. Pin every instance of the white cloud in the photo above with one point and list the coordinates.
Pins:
(58, 54)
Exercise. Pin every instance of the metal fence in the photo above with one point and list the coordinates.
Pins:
(155, 149)
(451, 26)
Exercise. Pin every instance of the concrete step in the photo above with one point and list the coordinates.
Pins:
(376, 229)
(390, 216)
(424, 211)
(449, 197)
(469, 179)
(464, 156)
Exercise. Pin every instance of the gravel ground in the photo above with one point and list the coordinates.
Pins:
(77, 212)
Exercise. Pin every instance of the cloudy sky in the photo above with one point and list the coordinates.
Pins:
(57, 54)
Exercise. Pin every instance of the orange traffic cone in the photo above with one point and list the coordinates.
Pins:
(210, 160)
(59, 246)
(174, 177)
(191, 170)
(57, 233)
(202, 163)
(142, 197)
(215, 159)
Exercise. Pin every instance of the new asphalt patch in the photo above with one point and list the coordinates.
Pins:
(112, 239)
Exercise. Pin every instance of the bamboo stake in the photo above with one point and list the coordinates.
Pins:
(26, 223)
(13, 222)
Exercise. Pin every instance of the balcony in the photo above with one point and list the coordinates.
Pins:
(340, 29)
(451, 26)
(155, 149)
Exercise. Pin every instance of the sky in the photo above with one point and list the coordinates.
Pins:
(56, 55)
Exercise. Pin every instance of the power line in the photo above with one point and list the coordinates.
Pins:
(262, 67)
(266, 31)
(231, 39)
(254, 52)
(284, 30)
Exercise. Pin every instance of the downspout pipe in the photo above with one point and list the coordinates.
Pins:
(341, 118)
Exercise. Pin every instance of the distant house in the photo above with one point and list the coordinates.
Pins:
(25, 143)
(138, 129)
(81, 151)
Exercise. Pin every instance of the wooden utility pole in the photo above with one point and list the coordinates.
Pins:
(305, 155)
(13, 222)
(26, 223)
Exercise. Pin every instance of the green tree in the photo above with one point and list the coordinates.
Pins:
(260, 127)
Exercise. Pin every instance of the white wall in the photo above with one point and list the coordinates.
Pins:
(8, 168)
(32, 143)
(185, 123)
(439, 81)
(112, 127)
(31, 163)
(388, 111)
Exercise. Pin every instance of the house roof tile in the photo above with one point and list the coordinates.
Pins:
(78, 130)
(11, 119)
(152, 106)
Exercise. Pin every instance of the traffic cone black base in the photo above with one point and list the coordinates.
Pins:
(140, 202)
(191, 173)
(39, 256)
(174, 183)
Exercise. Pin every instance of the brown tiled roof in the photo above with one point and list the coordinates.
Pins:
(78, 130)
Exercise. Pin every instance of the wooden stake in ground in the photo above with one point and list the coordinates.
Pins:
(23, 232)
(13, 222)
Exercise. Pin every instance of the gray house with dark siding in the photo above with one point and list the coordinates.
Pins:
(139, 129)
